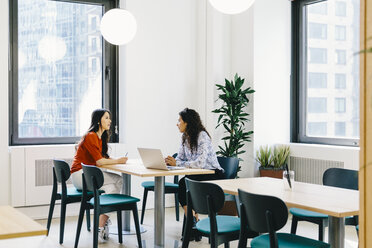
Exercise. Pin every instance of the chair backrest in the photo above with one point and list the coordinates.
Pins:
(263, 212)
(93, 177)
(62, 170)
(175, 178)
(342, 178)
(201, 191)
(230, 165)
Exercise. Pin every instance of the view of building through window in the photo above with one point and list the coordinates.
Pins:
(59, 67)
(333, 69)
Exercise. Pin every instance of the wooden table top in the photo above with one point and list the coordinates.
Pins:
(135, 167)
(15, 224)
(332, 201)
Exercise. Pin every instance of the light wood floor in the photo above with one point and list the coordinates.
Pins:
(172, 231)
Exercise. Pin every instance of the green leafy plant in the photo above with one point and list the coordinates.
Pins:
(233, 116)
(280, 156)
(264, 156)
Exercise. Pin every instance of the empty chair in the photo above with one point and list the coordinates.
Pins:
(169, 188)
(336, 177)
(61, 173)
(92, 181)
(268, 214)
(208, 198)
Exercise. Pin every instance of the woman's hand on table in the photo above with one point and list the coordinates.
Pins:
(170, 161)
(122, 160)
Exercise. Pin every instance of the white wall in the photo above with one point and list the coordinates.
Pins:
(242, 49)
(4, 154)
(158, 74)
(272, 43)
(348, 155)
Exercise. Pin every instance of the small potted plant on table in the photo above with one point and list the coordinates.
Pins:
(272, 163)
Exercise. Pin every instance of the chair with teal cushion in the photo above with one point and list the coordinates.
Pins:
(208, 198)
(92, 181)
(61, 173)
(336, 177)
(169, 188)
(268, 214)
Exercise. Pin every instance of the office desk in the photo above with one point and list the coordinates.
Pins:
(337, 203)
(136, 168)
(14, 224)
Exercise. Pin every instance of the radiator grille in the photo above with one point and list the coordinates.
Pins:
(310, 170)
(44, 172)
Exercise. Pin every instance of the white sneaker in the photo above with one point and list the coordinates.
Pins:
(106, 229)
(104, 232)
(101, 235)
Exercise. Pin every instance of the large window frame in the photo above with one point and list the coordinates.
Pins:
(110, 87)
(298, 80)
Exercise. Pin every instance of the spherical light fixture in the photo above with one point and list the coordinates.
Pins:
(231, 7)
(118, 26)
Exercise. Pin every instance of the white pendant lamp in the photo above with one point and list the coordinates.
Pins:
(231, 7)
(118, 26)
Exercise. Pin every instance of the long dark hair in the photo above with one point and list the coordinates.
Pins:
(94, 127)
(193, 128)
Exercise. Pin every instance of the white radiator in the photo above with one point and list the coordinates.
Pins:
(44, 171)
(311, 170)
(32, 174)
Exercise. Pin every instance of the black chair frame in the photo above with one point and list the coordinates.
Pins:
(336, 177)
(167, 190)
(275, 217)
(210, 205)
(94, 185)
(61, 173)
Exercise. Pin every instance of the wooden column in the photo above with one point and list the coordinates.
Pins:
(365, 174)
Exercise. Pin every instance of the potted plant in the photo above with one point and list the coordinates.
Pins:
(264, 156)
(273, 163)
(233, 116)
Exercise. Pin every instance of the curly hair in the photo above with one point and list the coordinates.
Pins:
(193, 128)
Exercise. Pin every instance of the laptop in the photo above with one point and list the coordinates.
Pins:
(153, 159)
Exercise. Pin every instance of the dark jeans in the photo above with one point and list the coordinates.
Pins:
(182, 184)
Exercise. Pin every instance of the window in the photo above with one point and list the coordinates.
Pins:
(340, 81)
(340, 105)
(94, 65)
(317, 105)
(317, 80)
(52, 92)
(317, 128)
(94, 44)
(319, 9)
(320, 57)
(340, 32)
(318, 31)
(340, 8)
(94, 23)
(340, 129)
(340, 57)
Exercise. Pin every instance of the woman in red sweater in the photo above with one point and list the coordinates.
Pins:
(92, 150)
